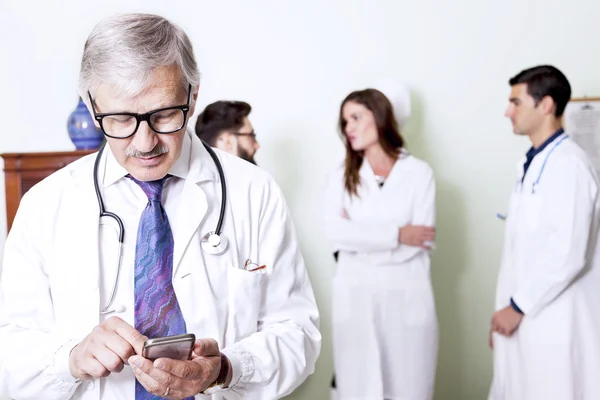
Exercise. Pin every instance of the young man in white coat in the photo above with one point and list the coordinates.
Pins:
(77, 312)
(545, 333)
(226, 126)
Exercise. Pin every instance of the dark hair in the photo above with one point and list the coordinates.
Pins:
(390, 138)
(221, 116)
(545, 80)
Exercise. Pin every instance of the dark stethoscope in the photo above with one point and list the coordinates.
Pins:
(212, 243)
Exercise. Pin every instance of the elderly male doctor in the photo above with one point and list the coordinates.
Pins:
(252, 307)
(546, 330)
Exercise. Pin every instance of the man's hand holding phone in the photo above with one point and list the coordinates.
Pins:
(105, 350)
(178, 379)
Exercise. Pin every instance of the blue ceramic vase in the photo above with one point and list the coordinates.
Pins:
(81, 128)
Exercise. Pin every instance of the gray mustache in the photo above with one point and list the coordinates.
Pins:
(157, 151)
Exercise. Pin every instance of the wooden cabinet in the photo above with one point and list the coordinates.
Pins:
(23, 170)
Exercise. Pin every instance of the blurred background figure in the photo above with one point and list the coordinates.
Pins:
(380, 220)
(225, 125)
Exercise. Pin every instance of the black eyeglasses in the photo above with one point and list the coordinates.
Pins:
(251, 134)
(124, 125)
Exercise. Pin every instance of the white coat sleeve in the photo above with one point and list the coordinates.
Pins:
(353, 236)
(275, 360)
(562, 234)
(32, 350)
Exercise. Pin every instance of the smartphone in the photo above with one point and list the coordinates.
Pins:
(177, 347)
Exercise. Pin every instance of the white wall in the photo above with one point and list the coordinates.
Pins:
(294, 62)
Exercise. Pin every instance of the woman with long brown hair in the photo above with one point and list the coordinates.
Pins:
(380, 219)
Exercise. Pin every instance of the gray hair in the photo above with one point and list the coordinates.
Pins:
(124, 50)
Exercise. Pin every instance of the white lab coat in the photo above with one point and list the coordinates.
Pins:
(385, 331)
(267, 323)
(551, 268)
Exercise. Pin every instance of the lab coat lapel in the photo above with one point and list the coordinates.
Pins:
(78, 233)
(193, 206)
(515, 197)
(367, 178)
(398, 171)
(361, 207)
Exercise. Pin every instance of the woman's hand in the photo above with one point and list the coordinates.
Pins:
(417, 235)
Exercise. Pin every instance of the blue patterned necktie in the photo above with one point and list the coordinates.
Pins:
(157, 311)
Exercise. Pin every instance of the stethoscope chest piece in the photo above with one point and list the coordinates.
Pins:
(213, 243)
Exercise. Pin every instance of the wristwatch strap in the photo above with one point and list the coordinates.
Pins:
(220, 381)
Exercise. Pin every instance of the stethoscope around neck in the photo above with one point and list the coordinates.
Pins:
(213, 242)
(535, 184)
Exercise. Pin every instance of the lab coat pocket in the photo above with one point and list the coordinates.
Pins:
(419, 305)
(245, 298)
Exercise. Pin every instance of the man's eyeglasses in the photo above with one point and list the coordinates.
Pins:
(250, 134)
(124, 125)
